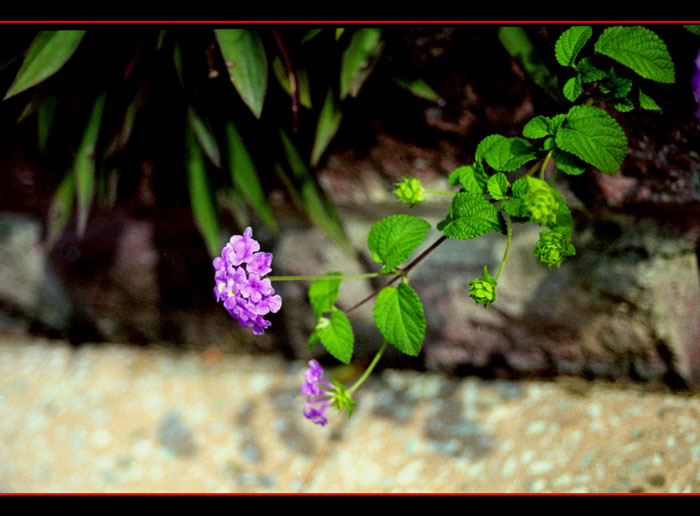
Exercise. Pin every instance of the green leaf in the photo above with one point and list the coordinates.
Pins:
(310, 35)
(570, 43)
(393, 239)
(359, 59)
(568, 163)
(595, 137)
(399, 316)
(513, 207)
(498, 186)
(84, 165)
(572, 88)
(588, 72)
(205, 137)
(485, 144)
(537, 127)
(695, 29)
(302, 81)
(419, 88)
(60, 209)
(245, 60)
(328, 123)
(518, 45)
(640, 49)
(45, 118)
(646, 102)
(245, 176)
(49, 51)
(473, 178)
(336, 336)
(201, 197)
(471, 216)
(323, 293)
(508, 154)
(316, 204)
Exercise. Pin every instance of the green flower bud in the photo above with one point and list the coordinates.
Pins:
(540, 203)
(483, 290)
(410, 191)
(553, 247)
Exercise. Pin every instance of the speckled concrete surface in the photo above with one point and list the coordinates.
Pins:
(110, 418)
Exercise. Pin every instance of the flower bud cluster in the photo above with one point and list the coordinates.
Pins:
(483, 290)
(552, 247)
(410, 191)
(540, 203)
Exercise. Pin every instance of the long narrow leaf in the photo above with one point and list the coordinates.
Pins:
(49, 51)
(359, 59)
(518, 45)
(316, 204)
(245, 176)
(201, 197)
(85, 164)
(246, 63)
(328, 123)
(206, 139)
(60, 209)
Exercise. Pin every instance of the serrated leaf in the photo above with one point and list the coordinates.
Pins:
(695, 29)
(337, 336)
(568, 163)
(588, 72)
(473, 178)
(393, 239)
(520, 187)
(595, 137)
(471, 216)
(572, 88)
(399, 316)
(359, 59)
(498, 186)
(85, 163)
(508, 154)
(638, 48)
(646, 102)
(570, 43)
(537, 127)
(245, 60)
(244, 176)
(47, 54)
(485, 144)
(201, 197)
(323, 293)
(622, 105)
(327, 126)
(513, 207)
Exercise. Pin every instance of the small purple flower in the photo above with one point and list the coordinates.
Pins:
(239, 282)
(695, 83)
(312, 389)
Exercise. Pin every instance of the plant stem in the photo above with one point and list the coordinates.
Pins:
(505, 255)
(402, 274)
(366, 374)
(327, 276)
(544, 164)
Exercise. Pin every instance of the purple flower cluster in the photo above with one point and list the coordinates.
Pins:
(315, 394)
(695, 83)
(246, 295)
